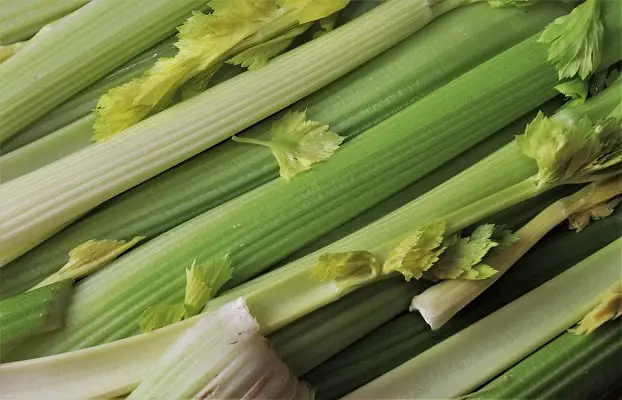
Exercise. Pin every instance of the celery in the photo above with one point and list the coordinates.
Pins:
(100, 172)
(240, 363)
(569, 367)
(486, 348)
(32, 313)
(408, 335)
(63, 142)
(350, 105)
(20, 20)
(116, 368)
(107, 34)
(268, 223)
(82, 103)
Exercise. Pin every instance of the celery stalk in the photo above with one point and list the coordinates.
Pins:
(570, 366)
(82, 103)
(408, 335)
(84, 47)
(117, 368)
(70, 187)
(350, 105)
(268, 223)
(20, 20)
(63, 142)
(481, 351)
(32, 313)
(240, 365)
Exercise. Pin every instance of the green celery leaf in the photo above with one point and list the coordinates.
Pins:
(572, 153)
(575, 41)
(418, 252)
(298, 143)
(159, 316)
(575, 90)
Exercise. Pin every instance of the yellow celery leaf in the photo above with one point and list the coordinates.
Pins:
(335, 266)
(572, 153)
(203, 41)
(575, 41)
(463, 256)
(609, 308)
(298, 143)
(203, 281)
(313, 10)
(159, 316)
(417, 252)
(327, 24)
(88, 257)
(580, 220)
(259, 55)
(575, 90)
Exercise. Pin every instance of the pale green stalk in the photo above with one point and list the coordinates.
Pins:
(38, 205)
(440, 303)
(20, 19)
(84, 47)
(57, 145)
(82, 103)
(350, 105)
(483, 350)
(222, 356)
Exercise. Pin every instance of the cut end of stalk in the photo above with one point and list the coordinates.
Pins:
(193, 366)
(609, 308)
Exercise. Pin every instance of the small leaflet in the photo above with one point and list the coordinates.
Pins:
(203, 281)
(572, 153)
(575, 41)
(298, 143)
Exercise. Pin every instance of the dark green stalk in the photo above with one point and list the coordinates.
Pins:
(569, 367)
(361, 99)
(313, 339)
(32, 313)
(408, 335)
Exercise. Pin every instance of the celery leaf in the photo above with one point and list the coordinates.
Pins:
(575, 41)
(89, 257)
(159, 316)
(258, 56)
(609, 308)
(464, 254)
(418, 252)
(336, 266)
(575, 152)
(313, 10)
(203, 281)
(203, 40)
(575, 90)
(298, 143)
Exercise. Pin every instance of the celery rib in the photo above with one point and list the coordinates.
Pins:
(52, 69)
(408, 335)
(81, 104)
(486, 348)
(350, 105)
(32, 313)
(569, 367)
(268, 223)
(20, 20)
(38, 205)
